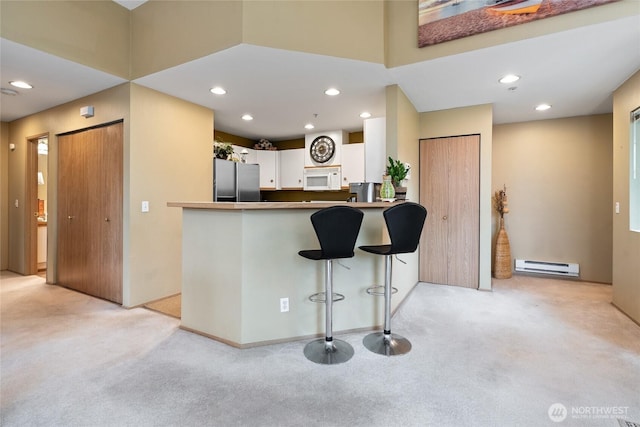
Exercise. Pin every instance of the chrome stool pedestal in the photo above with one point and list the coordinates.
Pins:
(327, 350)
(385, 342)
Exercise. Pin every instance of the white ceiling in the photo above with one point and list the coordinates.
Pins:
(130, 4)
(282, 90)
(576, 71)
(55, 80)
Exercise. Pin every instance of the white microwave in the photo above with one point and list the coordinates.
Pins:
(322, 178)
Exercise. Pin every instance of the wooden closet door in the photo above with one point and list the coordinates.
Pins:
(109, 218)
(464, 211)
(449, 189)
(90, 211)
(72, 213)
(434, 184)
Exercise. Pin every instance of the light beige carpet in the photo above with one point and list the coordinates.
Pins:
(528, 354)
(170, 306)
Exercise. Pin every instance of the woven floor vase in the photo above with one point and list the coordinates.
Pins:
(502, 266)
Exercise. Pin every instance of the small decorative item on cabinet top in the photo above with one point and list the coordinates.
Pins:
(502, 265)
(398, 171)
(264, 144)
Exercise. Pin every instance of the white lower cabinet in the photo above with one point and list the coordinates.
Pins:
(291, 169)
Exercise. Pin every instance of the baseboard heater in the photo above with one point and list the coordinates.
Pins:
(544, 267)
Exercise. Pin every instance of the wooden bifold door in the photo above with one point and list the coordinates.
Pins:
(450, 190)
(90, 211)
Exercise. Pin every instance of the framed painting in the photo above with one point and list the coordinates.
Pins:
(443, 20)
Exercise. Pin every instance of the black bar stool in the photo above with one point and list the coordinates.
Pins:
(337, 229)
(404, 223)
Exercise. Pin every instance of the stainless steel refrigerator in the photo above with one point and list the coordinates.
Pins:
(235, 182)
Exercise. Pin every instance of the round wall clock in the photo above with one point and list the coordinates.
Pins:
(322, 149)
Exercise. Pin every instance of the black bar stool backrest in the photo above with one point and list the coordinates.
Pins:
(337, 228)
(404, 223)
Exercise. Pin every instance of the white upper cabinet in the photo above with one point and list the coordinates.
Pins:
(352, 164)
(375, 148)
(269, 169)
(291, 169)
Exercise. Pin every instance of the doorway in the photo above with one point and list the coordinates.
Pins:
(37, 213)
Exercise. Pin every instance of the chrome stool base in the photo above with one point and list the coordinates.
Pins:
(328, 352)
(387, 344)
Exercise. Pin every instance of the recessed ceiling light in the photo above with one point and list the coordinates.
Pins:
(509, 78)
(332, 92)
(365, 115)
(7, 91)
(309, 126)
(247, 117)
(218, 90)
(21, 84)
(543, 107)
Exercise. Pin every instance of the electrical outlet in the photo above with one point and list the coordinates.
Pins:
(145, 206)
(284, 305)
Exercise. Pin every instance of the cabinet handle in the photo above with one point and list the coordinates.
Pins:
(70, 217)
(35, 214)
(106, 219)
(444, 218)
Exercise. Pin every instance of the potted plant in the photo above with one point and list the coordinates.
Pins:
(398, 171)
(222, 150)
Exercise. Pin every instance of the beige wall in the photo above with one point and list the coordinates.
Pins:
(318, 26)
(4, 195)
(167, 156)
(467, 121)
(626, 243)
(169, 33)
(109, 105)
(558, 175)
(403, 134)
(206, 27)
(402, 130)
(93, 33)
(106, 36)
(169, 160)
(402, 40)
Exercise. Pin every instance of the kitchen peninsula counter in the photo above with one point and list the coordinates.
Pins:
(240, 259)
(275, 205)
